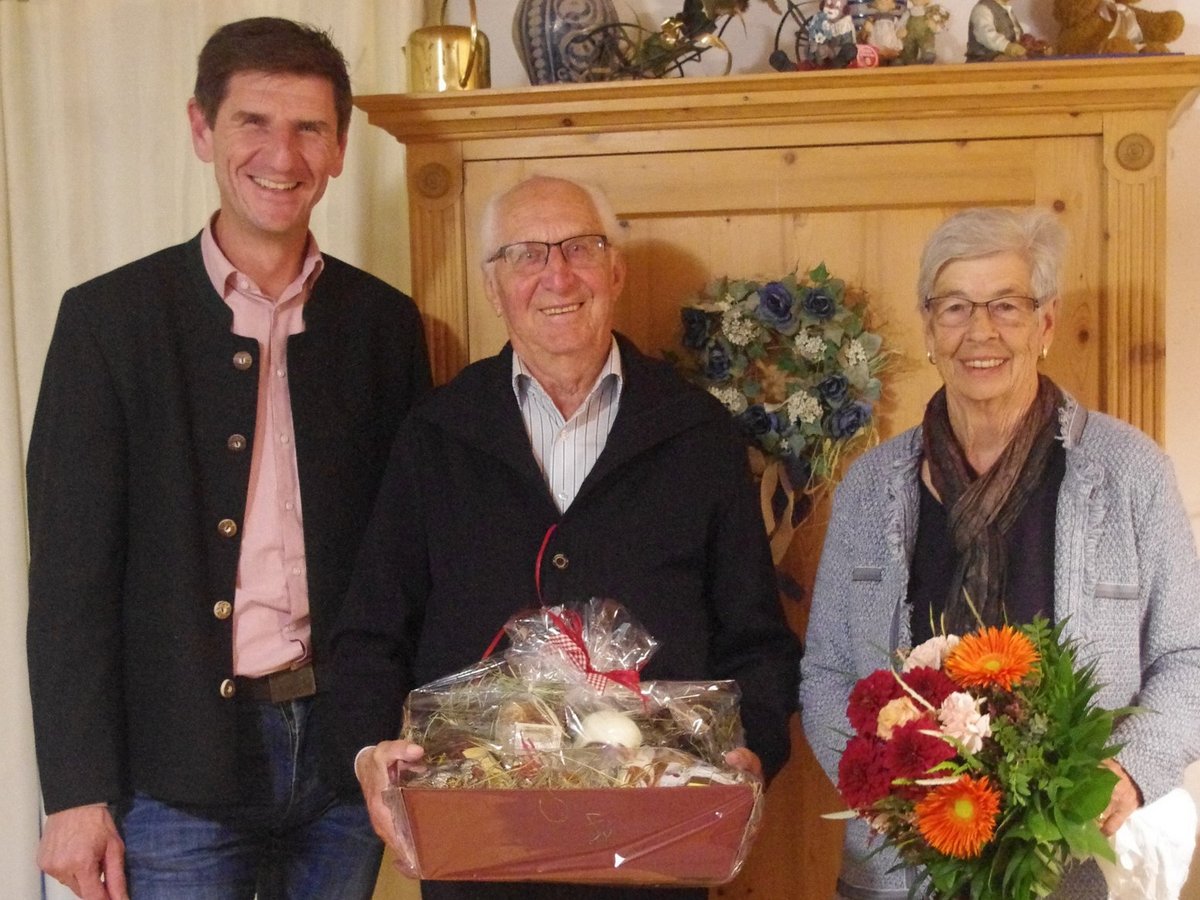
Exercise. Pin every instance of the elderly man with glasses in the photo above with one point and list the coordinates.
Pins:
(569, 466)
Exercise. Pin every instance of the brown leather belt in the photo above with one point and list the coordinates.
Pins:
(279, 687)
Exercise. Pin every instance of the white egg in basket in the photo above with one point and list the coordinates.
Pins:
(607, 727)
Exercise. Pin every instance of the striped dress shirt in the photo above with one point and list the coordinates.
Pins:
(566, 449)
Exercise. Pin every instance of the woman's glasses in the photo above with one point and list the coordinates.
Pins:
(954, 311)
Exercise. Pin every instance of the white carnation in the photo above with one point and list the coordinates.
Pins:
(961, 720)
(932, 653)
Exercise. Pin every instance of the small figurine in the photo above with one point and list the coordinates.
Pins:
(922, 22)
(884, 31)
(994, 32)
(831, 42)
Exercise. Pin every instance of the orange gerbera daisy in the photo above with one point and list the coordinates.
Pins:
(958, 819)
(992, 656)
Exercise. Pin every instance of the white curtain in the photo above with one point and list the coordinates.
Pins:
(96, 169)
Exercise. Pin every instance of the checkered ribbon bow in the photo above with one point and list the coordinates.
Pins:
(567, 639)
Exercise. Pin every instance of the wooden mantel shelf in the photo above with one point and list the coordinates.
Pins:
(939, 92)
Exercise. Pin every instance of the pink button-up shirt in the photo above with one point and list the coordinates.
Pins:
(271, 625)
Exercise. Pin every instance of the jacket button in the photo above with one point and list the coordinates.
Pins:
(559, 561)
(236, 442)
(228, 688)
(222, 609)
(242, 360)
(227, 528)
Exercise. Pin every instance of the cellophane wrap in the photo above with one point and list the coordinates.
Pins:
(537, 750)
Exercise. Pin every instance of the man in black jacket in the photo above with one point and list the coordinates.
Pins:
(567, 467)
(213, 424)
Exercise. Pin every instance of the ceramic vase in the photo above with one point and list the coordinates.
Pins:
(547, 36)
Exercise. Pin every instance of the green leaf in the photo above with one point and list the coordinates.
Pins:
(1042, 829)
(1088, 798)
(1085, 839)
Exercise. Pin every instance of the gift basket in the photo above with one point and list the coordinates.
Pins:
(557, 763)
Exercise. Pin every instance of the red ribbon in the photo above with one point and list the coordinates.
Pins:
(537, 564)
(568, 640)
(537, 584)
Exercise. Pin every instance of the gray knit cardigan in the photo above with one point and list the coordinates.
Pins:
(1126, 579)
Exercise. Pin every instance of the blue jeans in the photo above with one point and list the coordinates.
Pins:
(288, 838)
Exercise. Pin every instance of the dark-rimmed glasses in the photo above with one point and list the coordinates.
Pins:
(583, 251)
(955, 311)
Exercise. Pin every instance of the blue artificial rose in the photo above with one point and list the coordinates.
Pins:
(775, 306)
(849, 420)
(756, 421)
(717, 363)
(819, 303)
(833, 389)
(695, 328)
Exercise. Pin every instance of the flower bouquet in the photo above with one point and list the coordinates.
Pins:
(980, 761)
(793, 361)
(569, 768)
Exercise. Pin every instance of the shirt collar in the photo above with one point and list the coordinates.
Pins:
(522, 378)
(224, 275)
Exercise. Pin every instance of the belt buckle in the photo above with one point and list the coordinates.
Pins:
(292, 684)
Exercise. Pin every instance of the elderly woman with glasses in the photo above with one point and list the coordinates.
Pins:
(1013, 495)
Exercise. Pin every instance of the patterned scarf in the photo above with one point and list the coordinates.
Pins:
(982, 508)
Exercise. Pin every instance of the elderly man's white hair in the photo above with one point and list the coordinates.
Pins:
(489, 227)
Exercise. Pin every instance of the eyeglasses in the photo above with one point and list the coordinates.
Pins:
(953, 311)
(584, 251)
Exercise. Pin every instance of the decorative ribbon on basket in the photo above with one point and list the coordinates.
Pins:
(568, 640)
(597, 643)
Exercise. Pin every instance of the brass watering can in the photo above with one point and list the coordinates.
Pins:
(449, 57)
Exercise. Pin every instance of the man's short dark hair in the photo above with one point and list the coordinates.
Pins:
(272, 45)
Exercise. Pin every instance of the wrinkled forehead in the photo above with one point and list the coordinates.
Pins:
(547, 211)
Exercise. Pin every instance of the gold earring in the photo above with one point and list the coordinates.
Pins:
(929, 356)
(1045, 351)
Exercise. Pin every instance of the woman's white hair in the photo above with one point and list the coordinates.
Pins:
(489, 226)
(1032, 233)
